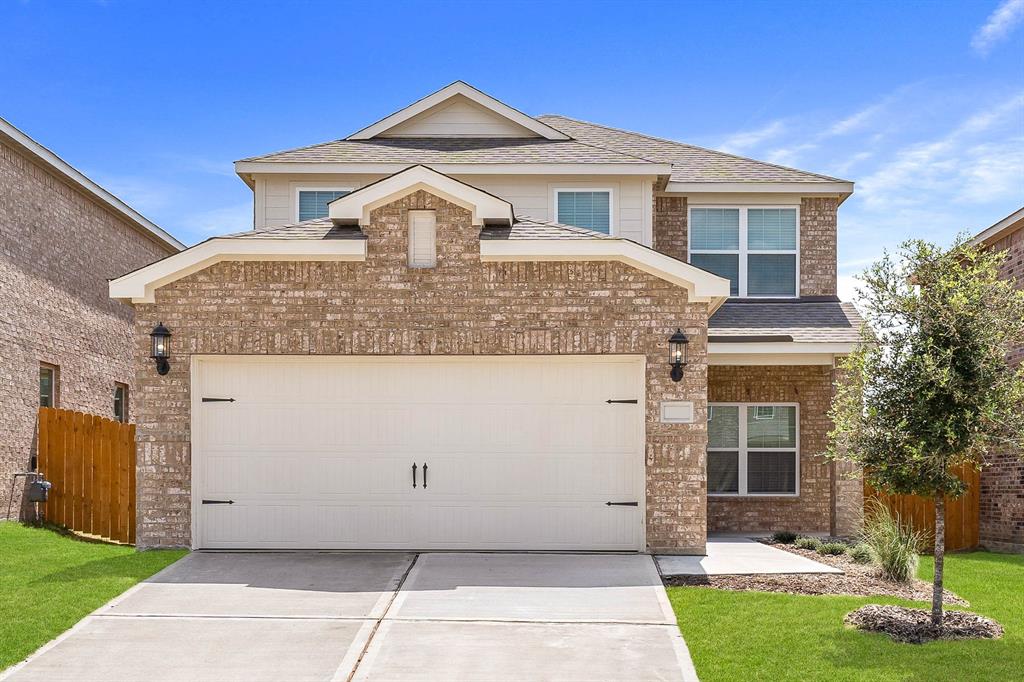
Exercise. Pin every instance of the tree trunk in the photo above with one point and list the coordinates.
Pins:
(940, 554)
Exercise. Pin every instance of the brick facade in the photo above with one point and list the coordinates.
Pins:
(58, 247)
(811, 511)
(1002, 483)
(461, 307)
(670, 232)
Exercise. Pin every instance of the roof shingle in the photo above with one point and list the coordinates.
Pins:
(804, 321)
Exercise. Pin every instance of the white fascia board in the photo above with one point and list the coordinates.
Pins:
(994, 231)
(288, 167)
(700, 284)
(778, 347)
(75, 176)
(801, 188)
(358, 205)
(140, 286)
(469, 92)
(754, 359)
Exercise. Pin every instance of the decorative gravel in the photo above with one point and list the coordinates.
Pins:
(859, 580)
(914, 626)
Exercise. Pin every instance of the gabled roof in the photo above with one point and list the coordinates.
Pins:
(459, 89)
(1012, 222)
(63, 168)
(689, 163)
(356, 206)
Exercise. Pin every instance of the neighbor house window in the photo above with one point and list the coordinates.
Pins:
(754, 248)
(312, 203)
(121, 402)
(587, 208)
(753, 449)
(49, 376)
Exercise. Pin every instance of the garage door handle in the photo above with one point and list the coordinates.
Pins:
(424, 475)
(622, 504)
(414, 474)
(218, 501)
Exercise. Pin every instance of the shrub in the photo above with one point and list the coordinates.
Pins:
(784, 537)
(832, 548)
(861, 553)
(808, 543)
(895, 545)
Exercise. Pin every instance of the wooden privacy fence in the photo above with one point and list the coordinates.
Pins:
(962, 514)
(91, 463)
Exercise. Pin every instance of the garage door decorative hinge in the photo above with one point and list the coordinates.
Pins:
(623, 402)
(622, 504)
(218, 400)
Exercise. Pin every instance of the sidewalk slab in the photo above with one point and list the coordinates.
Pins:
(740, 556)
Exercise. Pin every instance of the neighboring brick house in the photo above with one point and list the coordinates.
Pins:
(1002, 483)
(63, 342)
(451, 329)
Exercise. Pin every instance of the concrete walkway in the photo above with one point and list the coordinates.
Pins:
(378, 616)
(740, 556)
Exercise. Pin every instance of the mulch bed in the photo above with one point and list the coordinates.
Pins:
(914, 626)
(859, 580)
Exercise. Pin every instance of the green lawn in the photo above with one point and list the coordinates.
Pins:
(768, 636)
(48, 582)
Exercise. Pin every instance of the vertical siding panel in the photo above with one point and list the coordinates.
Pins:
(115, 486)
(130, 453)
(88, 472)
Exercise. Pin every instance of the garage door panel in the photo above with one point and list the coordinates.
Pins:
(523, 452)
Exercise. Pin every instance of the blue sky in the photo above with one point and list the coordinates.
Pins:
(920, 103)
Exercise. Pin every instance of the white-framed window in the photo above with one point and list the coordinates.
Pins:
(757, 248)
(422, 239)
(120, 401)
(754, 449)
(49, 385)
(588, 207)
(311, 202)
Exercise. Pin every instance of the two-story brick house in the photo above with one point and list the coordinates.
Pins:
(63, 342)
(1002, 483)
(457, 328)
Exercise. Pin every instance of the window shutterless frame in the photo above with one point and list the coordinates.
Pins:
(297, 193)
(612, 222)
(49, 385)
(742, 449)
(744, 251)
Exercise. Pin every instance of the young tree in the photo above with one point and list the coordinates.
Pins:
(930, 388)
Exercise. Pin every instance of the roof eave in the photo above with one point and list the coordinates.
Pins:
(302, 167)
(842, 190)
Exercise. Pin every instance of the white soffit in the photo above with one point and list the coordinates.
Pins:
(776, 352)
(140, 286)
(800, 188)
(456, 89)
(701, 285)
(485, 207)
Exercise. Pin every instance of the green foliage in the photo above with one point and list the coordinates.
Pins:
(894, 544)
(832, 548)
(784, 537)
(808, 543)
(930, 388)
(861, 553)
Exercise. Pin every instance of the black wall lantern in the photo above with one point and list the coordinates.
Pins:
(677, 344)
(161, 337)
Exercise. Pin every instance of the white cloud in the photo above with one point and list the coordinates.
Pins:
(739, 142)
(145, 195)
(1000, 24)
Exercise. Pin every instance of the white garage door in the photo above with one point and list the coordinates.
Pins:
(509, 453)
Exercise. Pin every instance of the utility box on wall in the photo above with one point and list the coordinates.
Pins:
(677, 412)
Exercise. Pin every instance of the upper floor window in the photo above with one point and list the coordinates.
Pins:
(121, 402)
(49, 377)
(312, 202)
(756, 249)
(590, 209)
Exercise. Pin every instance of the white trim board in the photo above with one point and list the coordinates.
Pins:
(459, 88)
(140, 286)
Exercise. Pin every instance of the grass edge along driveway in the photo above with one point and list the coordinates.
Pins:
(49, 582)
(772, 636)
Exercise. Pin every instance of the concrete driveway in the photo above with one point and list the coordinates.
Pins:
(378, 616)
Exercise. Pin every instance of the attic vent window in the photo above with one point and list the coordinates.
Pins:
(422, 239)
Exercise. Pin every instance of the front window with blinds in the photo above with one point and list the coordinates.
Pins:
(754, 248)
(312, 203)
(753, 449)
(590, 209)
